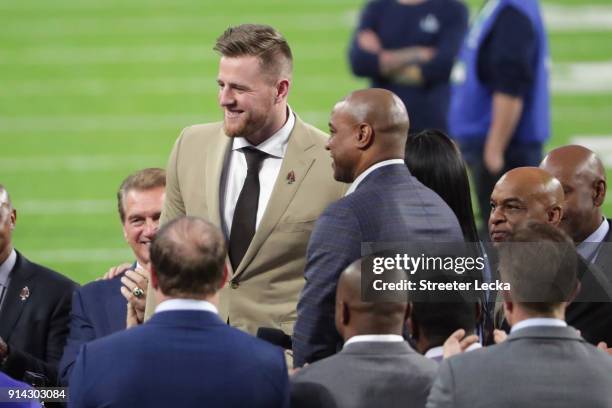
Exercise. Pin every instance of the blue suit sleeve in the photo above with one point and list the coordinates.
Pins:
(451, 37)
(363, 63)
(81, 332)
(334, 244)
(76, 397)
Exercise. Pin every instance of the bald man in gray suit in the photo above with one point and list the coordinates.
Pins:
(376, 367)
(543, 362)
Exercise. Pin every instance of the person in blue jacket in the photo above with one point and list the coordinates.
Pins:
(408, 47)
(499, 110)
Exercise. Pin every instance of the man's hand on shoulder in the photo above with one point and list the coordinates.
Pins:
(116, 270)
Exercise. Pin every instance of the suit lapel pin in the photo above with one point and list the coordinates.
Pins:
(24, 294)
(290, 177)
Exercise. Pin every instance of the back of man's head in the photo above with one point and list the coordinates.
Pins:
(188, 256)
(355, 316)
(261, 41)
(540, 264)
(433, 322)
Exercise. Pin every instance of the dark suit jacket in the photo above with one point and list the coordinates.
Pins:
(180, 359)
(368, 374)
(390, 205)
(535, 367)
(34, 319)
(98, 309)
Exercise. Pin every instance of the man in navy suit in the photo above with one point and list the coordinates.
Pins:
(99, 308)
(185, 355)
(383, 204)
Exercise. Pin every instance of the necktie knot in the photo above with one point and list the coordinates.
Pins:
(254, 158)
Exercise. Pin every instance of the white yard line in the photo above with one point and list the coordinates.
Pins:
(583, 17)
(582, 77)
(54, 207)
(75, 163)
(600, 144)
(109, 255)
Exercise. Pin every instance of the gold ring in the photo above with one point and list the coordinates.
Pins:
(138, 292)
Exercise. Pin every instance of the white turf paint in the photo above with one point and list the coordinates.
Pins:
(582, 78)
(109, 255)
(600, 144)
(54, 207)
(76, 163)
(578, 18)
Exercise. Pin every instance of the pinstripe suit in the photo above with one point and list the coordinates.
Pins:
(389, 205)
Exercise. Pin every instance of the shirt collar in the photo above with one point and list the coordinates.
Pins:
(275, 145)
(586, 248)
(186, 304)
(369, 170)
(438, 352)
(538, 321)
(380, 338)
(7, 266)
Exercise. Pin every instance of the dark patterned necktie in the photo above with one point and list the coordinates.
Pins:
(245, 213)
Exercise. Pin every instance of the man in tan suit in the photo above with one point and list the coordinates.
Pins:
(262, 175)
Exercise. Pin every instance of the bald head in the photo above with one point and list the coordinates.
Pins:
(356, 317)
(5, 199)
(583, 178)
(368, 126)
(188, 256)
(524, 194)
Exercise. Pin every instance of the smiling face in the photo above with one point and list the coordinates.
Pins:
(142, 211)
(343, 129)
(249, 98)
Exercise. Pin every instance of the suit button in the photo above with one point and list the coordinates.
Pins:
(234, 285)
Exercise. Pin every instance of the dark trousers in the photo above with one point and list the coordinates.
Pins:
(516, 155)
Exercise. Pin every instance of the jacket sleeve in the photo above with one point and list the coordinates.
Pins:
(451, 37)
(81, 332)
(442, 392)
(363, 63)
(334, 244)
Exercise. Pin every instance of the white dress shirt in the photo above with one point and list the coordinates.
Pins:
(379, 338)
(437, 352)
(5, 271)
(589, 247)
(235, 171)
(369, 170)
(186, 304)
(538, 321)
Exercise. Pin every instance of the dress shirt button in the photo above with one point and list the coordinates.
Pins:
(234, 285)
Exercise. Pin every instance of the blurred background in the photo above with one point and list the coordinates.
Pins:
(93, 90)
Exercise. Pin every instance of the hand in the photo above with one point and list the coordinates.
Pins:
(132, 319)
(499, 336)
(603, 346)
(133, 280)
(369, 41)
(493, 158)
(3, 349)
(390, 62)
(116, 270)
(458, 342)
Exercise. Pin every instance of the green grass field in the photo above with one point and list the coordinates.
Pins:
(93, 90)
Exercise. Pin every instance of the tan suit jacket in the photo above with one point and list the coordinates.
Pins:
(264, 289)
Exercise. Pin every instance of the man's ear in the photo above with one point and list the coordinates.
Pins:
(282, 90)
(224, 278)
(555, 213)
(13, 219)
(154, 279)
(365, 136)
(345, 314)
(599, 192)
